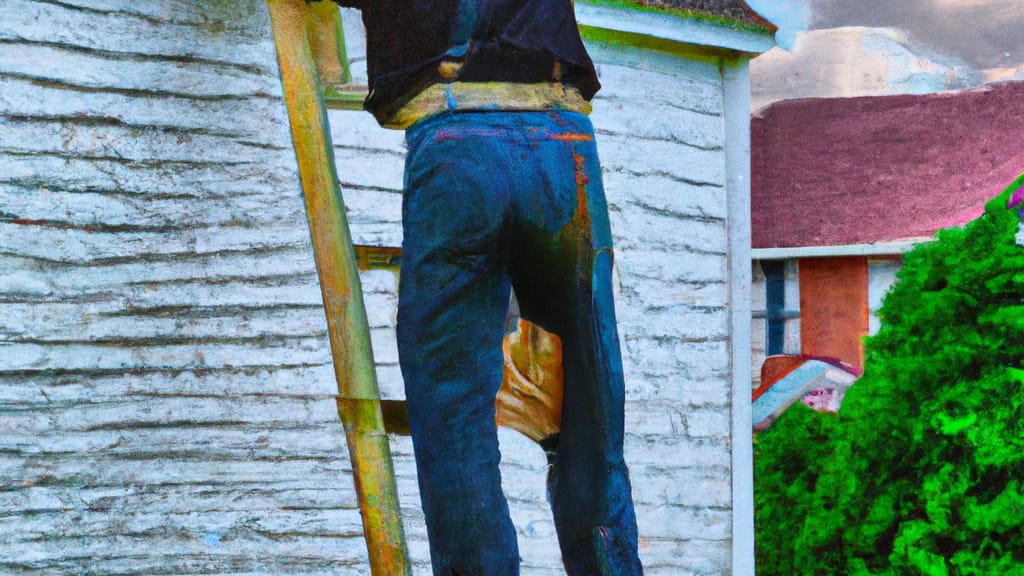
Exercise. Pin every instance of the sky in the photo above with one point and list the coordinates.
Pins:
(866, 47)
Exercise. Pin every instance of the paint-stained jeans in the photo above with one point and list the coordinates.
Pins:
(494, 201)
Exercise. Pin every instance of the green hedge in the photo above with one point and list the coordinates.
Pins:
(922, 471)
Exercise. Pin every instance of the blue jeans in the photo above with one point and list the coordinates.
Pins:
(495, 201)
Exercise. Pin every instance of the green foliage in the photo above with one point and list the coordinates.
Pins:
(922, 471)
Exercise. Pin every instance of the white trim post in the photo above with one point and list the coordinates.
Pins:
(736, 81)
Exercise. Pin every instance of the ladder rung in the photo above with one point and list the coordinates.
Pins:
(347, 97)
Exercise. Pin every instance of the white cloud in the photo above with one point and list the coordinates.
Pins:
(976, 3)
(791, 16)
(853, 61)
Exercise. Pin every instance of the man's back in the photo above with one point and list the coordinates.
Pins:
(413, 44)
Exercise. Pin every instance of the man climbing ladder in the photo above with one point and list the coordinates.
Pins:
(503, 190)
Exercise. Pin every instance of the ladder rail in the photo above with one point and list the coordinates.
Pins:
(359, 404)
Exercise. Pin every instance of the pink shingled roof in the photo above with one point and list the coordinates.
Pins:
(837, 171)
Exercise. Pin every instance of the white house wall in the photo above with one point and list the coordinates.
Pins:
(662, 137)
(759, 324)
(165, 392)
(166, 397)
(881, 277)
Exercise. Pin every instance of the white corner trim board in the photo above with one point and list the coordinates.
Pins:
(736, 81)
(876, 249)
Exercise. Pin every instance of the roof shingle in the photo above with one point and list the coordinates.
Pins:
(732, 10)
(830, 172)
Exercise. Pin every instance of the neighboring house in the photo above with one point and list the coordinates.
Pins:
(166, 395)
(842, 187)
(819, 383)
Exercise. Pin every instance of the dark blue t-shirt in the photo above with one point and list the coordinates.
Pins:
(494, 40)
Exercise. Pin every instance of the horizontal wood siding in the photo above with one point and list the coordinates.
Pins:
(166, 397)
(662, 138)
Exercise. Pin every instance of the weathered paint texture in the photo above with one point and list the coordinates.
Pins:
(166, 393)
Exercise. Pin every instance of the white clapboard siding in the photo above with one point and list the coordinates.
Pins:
(662, 136)
(166, 392)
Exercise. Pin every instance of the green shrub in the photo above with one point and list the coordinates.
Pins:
(922, 471)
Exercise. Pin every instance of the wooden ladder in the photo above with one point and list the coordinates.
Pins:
(309, 43)
(315, 76)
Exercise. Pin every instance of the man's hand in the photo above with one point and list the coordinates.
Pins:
(530, 399)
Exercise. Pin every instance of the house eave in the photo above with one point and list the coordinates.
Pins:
(873, 249)
(676, 27)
